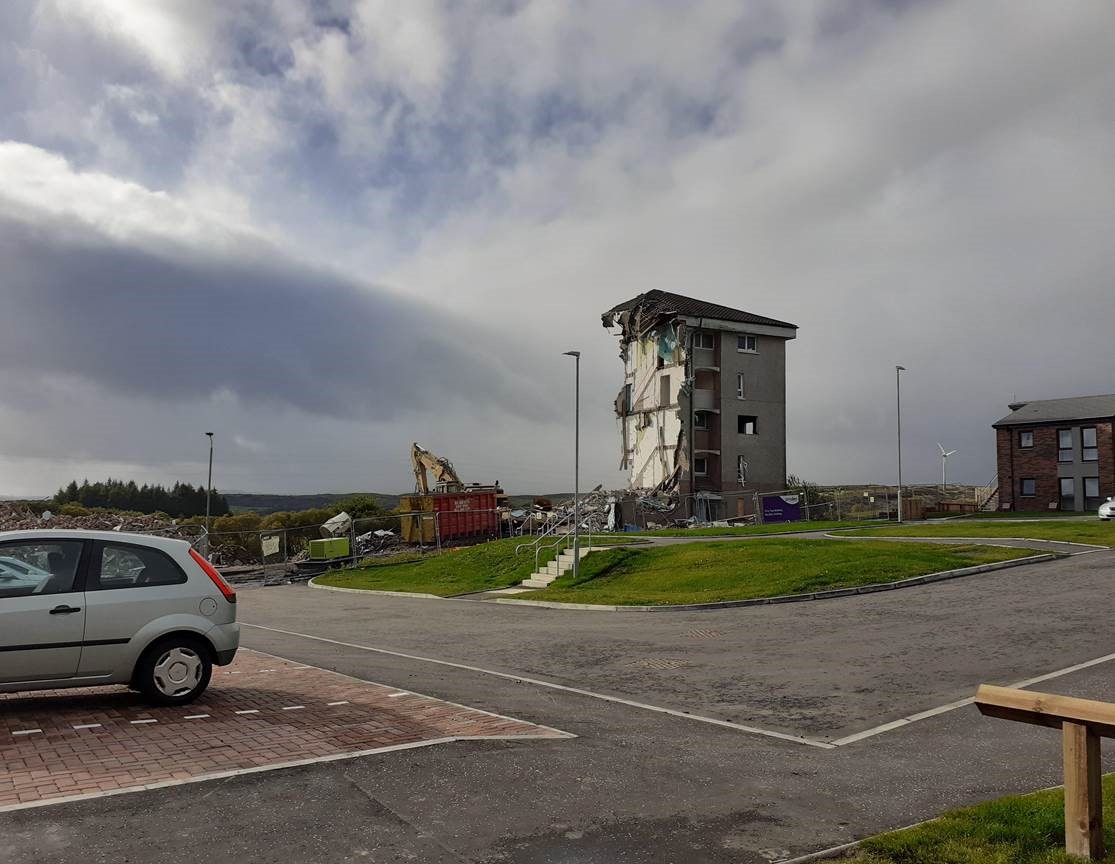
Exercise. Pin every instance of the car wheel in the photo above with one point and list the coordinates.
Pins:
(174, 671)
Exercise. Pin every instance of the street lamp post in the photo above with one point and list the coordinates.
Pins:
(576, 355)
(898, 370)
(209, 488)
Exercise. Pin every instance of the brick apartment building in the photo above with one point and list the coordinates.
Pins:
(1057, 454)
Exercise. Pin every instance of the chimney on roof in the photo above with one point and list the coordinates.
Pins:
(1014, 406)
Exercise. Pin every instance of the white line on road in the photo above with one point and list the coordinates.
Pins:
(138, 722)
(961, 703)
(27, 731)
(396, 695)
(87, 726)
(195, 716)
(259, 769)
(344, 702)
(727, 724)
(249, 711)
(293, 707)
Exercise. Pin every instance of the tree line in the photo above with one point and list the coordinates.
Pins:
(181, 499)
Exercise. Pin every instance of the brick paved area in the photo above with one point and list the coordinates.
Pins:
(259, 712)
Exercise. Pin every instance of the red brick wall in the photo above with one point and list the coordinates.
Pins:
(1038, 462)
(1008, 487)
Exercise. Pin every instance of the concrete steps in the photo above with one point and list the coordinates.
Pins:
(561, 565)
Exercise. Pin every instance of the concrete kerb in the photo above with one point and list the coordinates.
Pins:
(941, 576)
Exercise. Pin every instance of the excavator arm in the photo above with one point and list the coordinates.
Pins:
(445, 477)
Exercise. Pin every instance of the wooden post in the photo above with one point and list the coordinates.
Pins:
(1083, 792)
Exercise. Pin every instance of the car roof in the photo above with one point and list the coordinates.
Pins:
(165, 543)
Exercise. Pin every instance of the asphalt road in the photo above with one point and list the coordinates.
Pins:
(635, 785)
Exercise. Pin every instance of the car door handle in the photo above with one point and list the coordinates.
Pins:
(64, 610)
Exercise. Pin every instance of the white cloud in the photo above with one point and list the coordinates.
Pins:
(918, 183)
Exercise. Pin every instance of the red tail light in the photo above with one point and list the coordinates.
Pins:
(212, 573)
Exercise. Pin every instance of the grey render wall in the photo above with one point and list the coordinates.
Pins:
(764, 398)
(1077, 469)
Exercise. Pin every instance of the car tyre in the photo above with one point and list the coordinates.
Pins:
(174, 671)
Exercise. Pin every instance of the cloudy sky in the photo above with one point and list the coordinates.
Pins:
(325, 229)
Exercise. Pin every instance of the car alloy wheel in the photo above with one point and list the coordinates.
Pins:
(177, 671)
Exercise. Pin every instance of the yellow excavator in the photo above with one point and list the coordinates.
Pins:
(445, 476)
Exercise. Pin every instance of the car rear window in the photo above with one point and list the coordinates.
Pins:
(126, 566)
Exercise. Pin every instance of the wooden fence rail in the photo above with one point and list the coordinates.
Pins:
(1082, 723)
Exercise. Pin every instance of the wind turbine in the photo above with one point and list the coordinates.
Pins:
(944, 465)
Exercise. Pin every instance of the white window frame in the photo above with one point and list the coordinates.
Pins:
(1021, 444)
(741, 343)
(741, 386)
(699, 339)
(700, 460)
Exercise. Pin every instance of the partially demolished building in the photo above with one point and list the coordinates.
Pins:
(702, 412)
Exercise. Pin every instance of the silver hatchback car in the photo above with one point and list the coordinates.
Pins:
(84, 608)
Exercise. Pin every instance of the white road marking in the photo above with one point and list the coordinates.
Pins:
(195, 716)
(249, 711)
(961, 703)
(345, 702)
(293, 707)
(236, 772)
(713, 721)
(27, 731)
(138, 722)
(396, 695)
(87, 726)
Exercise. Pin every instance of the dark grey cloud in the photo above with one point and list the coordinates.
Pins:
(174, 323)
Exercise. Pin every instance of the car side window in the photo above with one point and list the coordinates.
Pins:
(29, 567)
(134, 567)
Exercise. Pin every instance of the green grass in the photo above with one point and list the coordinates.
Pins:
(776, 528)
(453, 571)
(1094, 531)
(1019, 829)
(711, 572)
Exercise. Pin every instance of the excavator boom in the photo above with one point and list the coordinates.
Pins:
(445, 477)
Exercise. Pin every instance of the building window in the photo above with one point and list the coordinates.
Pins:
(703, 339)
(627, 398)
(1092, 493)
(700, 420)
(1068, 493)
(1064, 445)
(747, 424)
(748, 344)
(741, 469)
(1025, 439)
(1028, 487)
(739, 387)
(1091, 452)
(700, 466)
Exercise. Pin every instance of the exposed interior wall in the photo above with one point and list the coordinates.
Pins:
(652, 422)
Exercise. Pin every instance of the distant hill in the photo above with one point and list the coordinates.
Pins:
(250, 502)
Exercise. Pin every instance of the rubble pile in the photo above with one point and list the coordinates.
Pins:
(15, 517)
